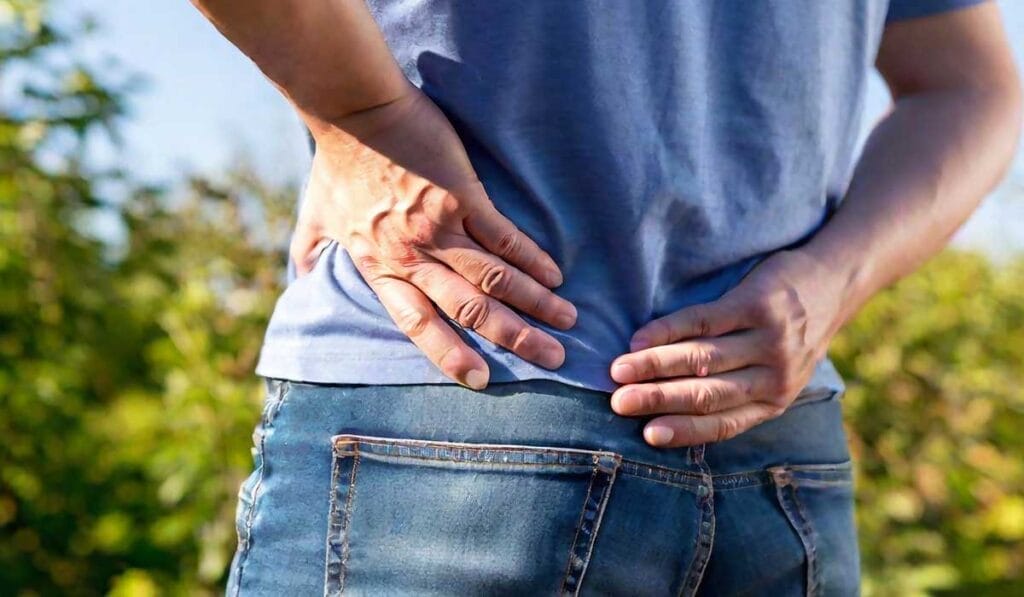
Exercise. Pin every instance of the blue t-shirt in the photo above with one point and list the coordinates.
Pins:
(657, 149)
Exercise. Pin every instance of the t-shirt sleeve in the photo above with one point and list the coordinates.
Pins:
(911, 9)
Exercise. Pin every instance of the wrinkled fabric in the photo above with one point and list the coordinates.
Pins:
(658, 150)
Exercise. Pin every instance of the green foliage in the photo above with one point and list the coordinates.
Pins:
(126, 386)
(935, 408)
(127, 396)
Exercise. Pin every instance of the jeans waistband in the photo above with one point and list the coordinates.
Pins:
(550, 413)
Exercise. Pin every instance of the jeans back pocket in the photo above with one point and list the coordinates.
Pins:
(459, 519)
(426, 517)
(818, 502)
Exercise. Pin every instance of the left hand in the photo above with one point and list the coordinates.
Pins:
(717, 369)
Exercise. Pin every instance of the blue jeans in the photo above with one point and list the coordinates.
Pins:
(534, 488)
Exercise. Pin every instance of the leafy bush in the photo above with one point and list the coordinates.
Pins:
(127, 394)
(935, 369)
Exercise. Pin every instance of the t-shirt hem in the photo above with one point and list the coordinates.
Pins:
(347, 368)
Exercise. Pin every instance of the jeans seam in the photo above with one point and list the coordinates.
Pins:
(339, 522)
(704, 541)
(572, 583)
(266, 422)
(786, 491)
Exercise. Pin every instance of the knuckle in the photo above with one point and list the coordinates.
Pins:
(654, 398)
(747, 388)
(406, 257)
(538, 304)
(650, 365)
(367, 263)
(448, 205)
(727, 428)
(495, 280)
(518, 339)
(660, 331)
(794, 304)
(509, 245)
(705, 399)
(704, 360)
(472, 312)
(701, 324)
(783, 383)
(412, 321)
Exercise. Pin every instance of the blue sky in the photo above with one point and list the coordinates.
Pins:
(205, 104)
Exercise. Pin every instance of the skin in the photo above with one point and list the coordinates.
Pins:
(391, 182)
(711, 371)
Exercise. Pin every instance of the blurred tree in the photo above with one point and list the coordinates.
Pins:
(127, 397)
(935, 369)
(126, 386)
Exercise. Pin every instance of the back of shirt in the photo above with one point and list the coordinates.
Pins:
(658, 150)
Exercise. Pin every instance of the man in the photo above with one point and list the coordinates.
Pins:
(629, 231)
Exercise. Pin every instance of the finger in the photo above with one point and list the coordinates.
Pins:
(506, 283)
(472, 309)
(694, 395)
(675, 431)
(306, 244)
(501, 237)
(689, 358)
(414, 314)
(708, 319)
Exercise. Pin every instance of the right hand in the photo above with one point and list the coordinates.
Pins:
(394, 186)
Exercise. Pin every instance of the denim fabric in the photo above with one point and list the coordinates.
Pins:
(534, 488)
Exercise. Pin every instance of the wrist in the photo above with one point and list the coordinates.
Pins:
(362, 120)
(848, 277)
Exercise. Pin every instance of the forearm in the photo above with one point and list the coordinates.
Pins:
(328, 57)
(925, 168)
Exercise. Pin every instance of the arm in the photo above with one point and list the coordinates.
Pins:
(391, 182)
(326, 56)
(743, 359)
(928, 164)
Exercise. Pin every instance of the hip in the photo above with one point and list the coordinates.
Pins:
(530, 487)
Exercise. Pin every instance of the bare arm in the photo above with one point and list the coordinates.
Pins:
(946, 142)
(738, 361)
(327, 56)
(391, 182)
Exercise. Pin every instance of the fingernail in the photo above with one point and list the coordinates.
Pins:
(626, 402)
(552, 358)
(658, 435)
(553, 277)
(476, 379)
(623, 372)
(638, 344)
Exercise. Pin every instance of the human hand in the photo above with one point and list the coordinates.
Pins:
(394, 186)
(718, 369)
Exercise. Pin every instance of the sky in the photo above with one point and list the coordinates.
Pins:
(205, 104)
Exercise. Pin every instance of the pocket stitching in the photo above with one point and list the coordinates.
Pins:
(354, 447)
(571, 585)
(800, 522)
(416, 449)
(334, 582)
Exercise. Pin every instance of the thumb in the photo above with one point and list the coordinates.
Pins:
(307, 243)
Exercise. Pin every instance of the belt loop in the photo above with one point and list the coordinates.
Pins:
(695, 454)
